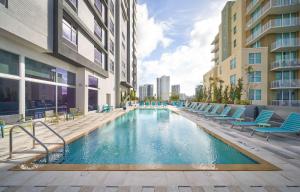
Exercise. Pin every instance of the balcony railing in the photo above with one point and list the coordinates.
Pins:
(272, 24)
(269, 5)
(285, 64)
(251, 5)
(291, 103)
(285, 43)
(286, 84)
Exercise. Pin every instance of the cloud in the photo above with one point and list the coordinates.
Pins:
(187, 63)
(150, 33)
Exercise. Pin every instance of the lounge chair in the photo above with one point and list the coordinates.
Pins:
(201, 108)
(206, 110)
(235, 116)
(214, 111)
(290, 125)
(197, 108)
(153, 103)
(263, 117)
(224, 113)
(141, 104)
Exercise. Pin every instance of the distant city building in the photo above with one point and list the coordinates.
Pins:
(175, 90)
(145, 91)
(163, 88)
(183, 96)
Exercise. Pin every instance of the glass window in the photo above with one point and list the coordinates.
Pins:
(234, 30)
(9, 96)
(99, 57)
(73, 3)
(100, 33)
(234, 43)
(234, 17)
(111, 27)
(66, 98)
(233, 63)
(112, 66)
(254, 58)
(9, 63)
(65, 77)
(93, 100)
(111, 46)
(257, 44)
(93, 82)
(69, 32)
(112, 7)
(4, 2)
(255, 94)
(39, 98)
(38, 70)
(254, 77)
(233, 79)
(100, 7)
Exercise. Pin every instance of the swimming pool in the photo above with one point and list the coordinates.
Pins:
(152, 138)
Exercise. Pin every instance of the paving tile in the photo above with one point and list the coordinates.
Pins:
(67, 188)
(124, 189)
(145, 178)
(148, 189)
(86, 189)
(135, 189)
(115, 178)
(49, 189)
(176, 178)
(172, 189)
(111, 189)
(184, 189)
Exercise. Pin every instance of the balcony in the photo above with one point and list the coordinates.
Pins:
(286, 45)
(274, 7)
(290, 103)
(274, 26)
(286, 84)
(285, 64)
(252, 6)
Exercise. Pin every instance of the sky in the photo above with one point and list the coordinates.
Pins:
(174, 38)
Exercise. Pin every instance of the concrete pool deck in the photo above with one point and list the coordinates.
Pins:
(282, 151)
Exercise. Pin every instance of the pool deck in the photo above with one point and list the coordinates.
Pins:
(282, 151)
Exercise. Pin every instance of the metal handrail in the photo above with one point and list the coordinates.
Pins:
(31, 135)
(54, 132)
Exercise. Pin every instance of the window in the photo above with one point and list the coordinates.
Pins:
(255, 94)
(65, 77)
(98, 57)
(112, 7)
(256, 44)
(66, 98)
(100, 7)
(233, 63)
(233, 79)
(234, 30)
(93, 82)
(98, 30)
(254, 77)
(39, 98)
(234, 43)
(234, 17)
(4, 2)
(73, 3)
(111, 66)
(9, 63)
(93, 100)
(111, 46)
(254, 58)
(111, 27)
(38, 70)
(9, 96)
(69, 32)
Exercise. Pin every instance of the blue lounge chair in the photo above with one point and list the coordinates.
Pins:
(199, 108)
(263, 117)
(224, 113)
(141, 104)
(206, 110)
(235, 116)
(196, 107)
(214, 111)
(290, 125)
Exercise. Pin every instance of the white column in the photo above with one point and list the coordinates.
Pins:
(22, 85)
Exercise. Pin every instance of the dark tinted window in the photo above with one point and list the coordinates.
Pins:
(9, 96)
(38, 70)
(9, 63)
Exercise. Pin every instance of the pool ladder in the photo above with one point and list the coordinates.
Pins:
(36, 140)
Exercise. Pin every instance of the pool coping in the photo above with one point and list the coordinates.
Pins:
(262, 165)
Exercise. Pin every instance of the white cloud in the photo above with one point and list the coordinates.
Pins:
(150, 33)
(187, 63)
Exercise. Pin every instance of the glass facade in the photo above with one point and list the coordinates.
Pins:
(69, 32)
(93, 82)
(38, 70)
(9, 96)
(65, 77)
(66, 98)
(39, 98)
(93, 100)
(9, 63)
(255, 94)
(254, 58)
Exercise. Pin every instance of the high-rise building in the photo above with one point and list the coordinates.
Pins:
(68, 54)
(163, 88)
(258, 41)
(175, 90)
(198, 89)
(145, 91)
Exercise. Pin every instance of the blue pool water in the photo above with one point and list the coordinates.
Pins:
(148, 136)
